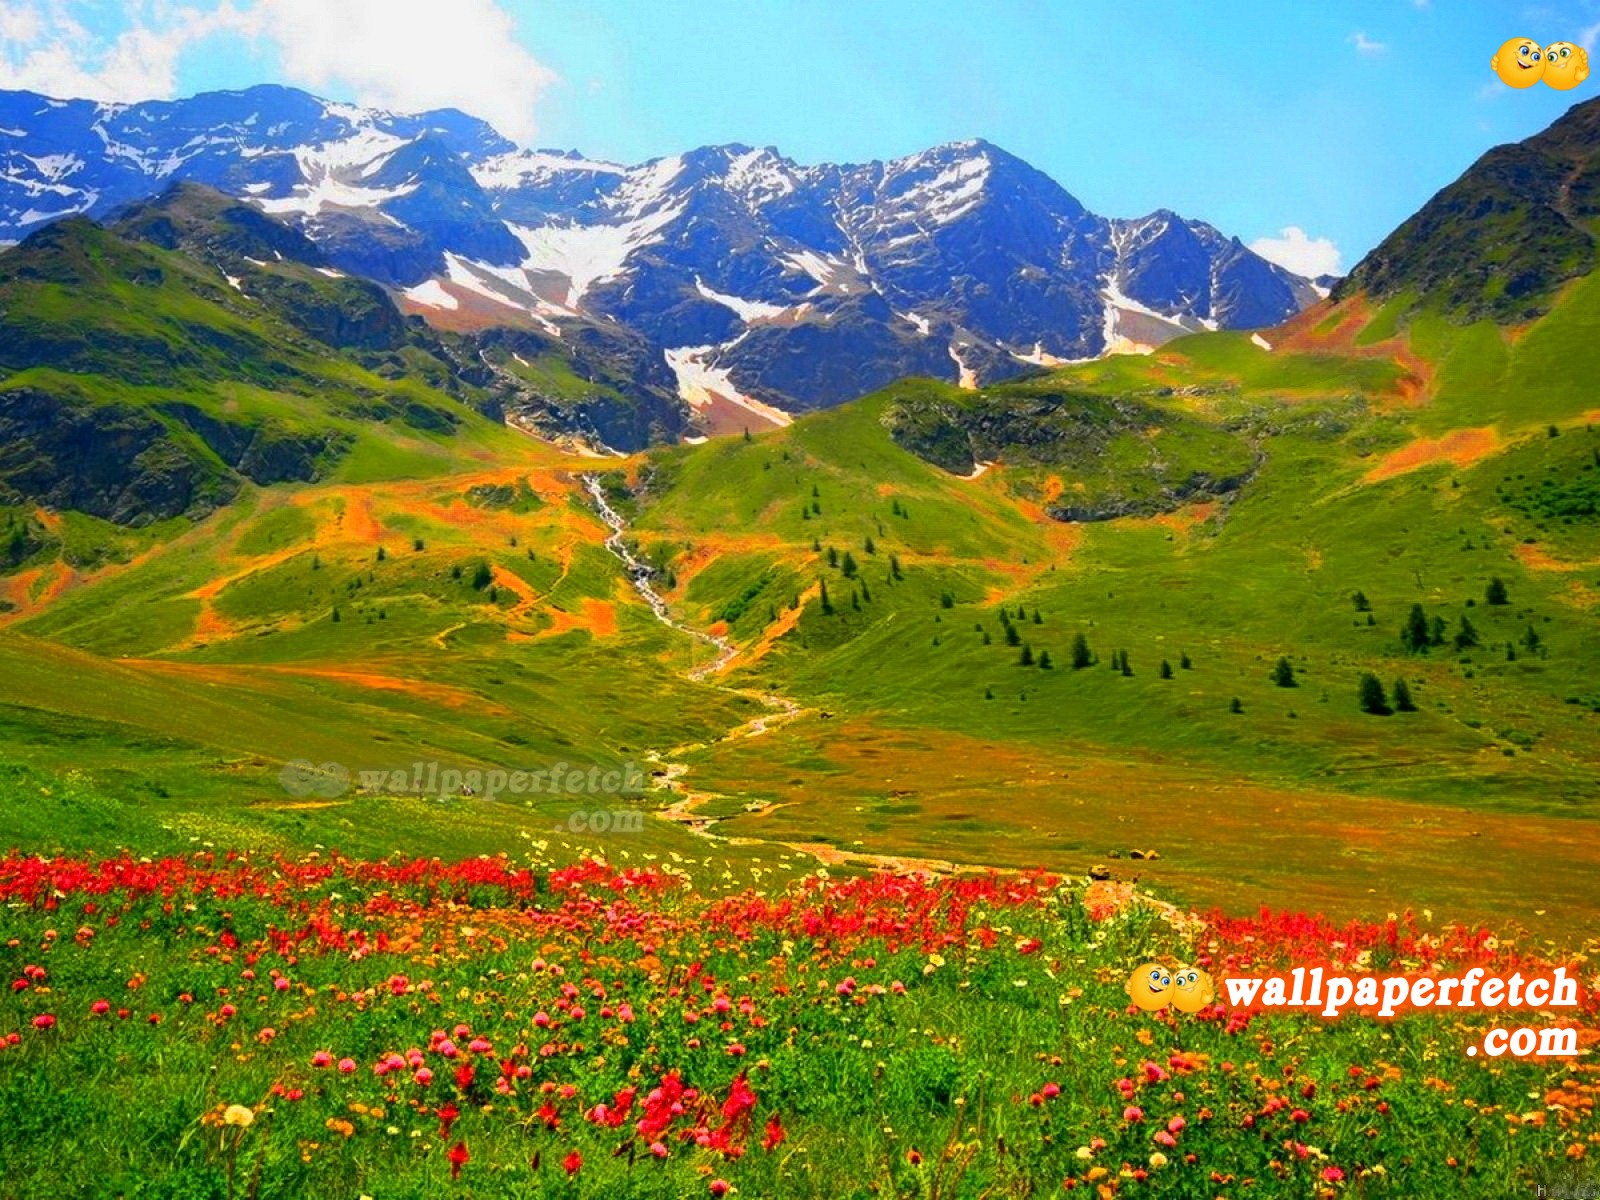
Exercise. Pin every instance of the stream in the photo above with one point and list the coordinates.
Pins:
(670, 769)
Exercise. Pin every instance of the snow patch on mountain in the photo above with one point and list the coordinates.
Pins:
(701, 385)
(588, 254)
(506, 172)
(746, 310)
(431, 294)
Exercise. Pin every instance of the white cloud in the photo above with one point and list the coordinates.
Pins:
(410, 55)
(407, 55)
(1587, 38)
(1365, 45)
(1295, 250)
(43, 48)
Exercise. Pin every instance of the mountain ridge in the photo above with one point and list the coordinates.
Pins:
(738, 265)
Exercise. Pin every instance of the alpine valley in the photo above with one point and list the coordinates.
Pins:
(372, 492)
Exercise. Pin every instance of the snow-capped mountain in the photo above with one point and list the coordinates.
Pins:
(767, 286)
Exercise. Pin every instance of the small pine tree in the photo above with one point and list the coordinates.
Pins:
(1414, 635)
(855, 600)
(869, 545)
(1127, 671)
(336, 617)
(1026, 658)
(1436, 628)
(1361, 603)
(382, 554)
(1185, 662)
(1495, 593)
(814, 492)
(455, 571)
(418, 545)
(747, 436)
(1531, 640)
(1037, 619)
(848, 566)
(1511, 652)
(1466, 636)
(1283, 674)
(827, 605)
(1081, 655)
(833, 557)
(947, 600)
(1236, 705)
(1402, 697)
(494, 595)
(1166, 669)
(816, 546)
(894, 567)
(482, 576)
(1044, 661)
(816, 507)
(988, 693)
(866, 593)
(986, 638)
(1372, 697)
(1013, 638)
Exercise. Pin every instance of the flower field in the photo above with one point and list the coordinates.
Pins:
(213, 1026)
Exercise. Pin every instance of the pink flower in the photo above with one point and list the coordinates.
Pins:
(347, 1066)
(1133, 1113)
(100, 1007)
(1332, 1174)
(281, 984)
(1176, 1124)
(478, 1046)
(658, 1149)
(43, 1021)
(423, 1076)
(321, 1059)
(1300, 1116)
(720, 1187)
(1163, 1138)
(1050, 1091)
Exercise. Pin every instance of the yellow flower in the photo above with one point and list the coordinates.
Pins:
(1158, 1160)
(238, 1114)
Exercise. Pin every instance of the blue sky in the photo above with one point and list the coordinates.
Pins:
(1337, 118)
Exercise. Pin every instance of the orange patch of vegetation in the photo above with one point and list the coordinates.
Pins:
(1463, 447)
(598, 618)
(773, 633)
(246, 673)
(356, 522)
(518, 587)
(1184, 519)
(1536, 558)
(49, 518)
(1301, 335)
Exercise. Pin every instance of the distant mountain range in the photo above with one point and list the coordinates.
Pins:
(767, 287)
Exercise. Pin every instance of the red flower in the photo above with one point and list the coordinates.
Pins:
(447, 1118)
(775, 1134)
(458, 1158)
(720, 1187)
(572, 1163)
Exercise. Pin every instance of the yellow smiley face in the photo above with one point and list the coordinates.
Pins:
(1565, 65)
(1150, 987)
(1519, 63)
(1192, 990)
